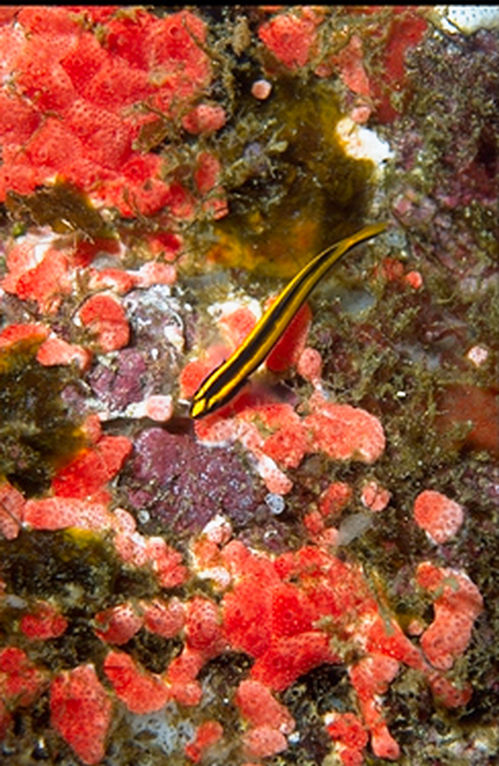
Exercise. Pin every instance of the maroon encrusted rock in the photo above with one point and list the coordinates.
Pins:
(123, 384)
(185, 484)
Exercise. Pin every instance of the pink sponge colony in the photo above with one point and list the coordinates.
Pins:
(438, 515)
(73, 103)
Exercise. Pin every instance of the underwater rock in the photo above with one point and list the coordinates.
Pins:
(185, 484)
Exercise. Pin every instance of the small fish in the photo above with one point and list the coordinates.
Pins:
(226, 379)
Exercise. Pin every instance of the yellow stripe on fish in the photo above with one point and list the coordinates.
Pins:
(224, 381)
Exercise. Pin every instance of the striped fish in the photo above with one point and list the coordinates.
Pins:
(224, 381)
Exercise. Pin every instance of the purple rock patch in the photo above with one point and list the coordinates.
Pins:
(122, 385)
(185, 484)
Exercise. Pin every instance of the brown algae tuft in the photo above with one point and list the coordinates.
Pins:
(293, 186)
(37, 435)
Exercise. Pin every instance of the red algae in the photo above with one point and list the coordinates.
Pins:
(11, 510)
(309, 365)
(45, 283)
(291, 36)
(57, 351)
(81, 712)
(350, 736)
(20, 680)
(471, 405)
(289, 348)
(438, 515)
(406, 31)
(457, 606)
(259, 707)
(15, 333)
(106, 318)
(69, 71)
(207, 734)
(371, 677)
(166, 619)
(335, 498)
(263, 741)
(52, 513)
(375, 497)
(343, 432)
(87, 474)
(118, 624)
(187, 483)
(204, 118)
(141, 692)
(349, 63)
(44, 622)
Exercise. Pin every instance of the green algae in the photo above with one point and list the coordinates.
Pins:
(152, 651)
(62, 206)
(292, 187)
(308, 699)
(82, 575)
(36, 434)
(40, 564)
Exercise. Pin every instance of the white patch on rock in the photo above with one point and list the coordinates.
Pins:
(362, 143)
(466, 19)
